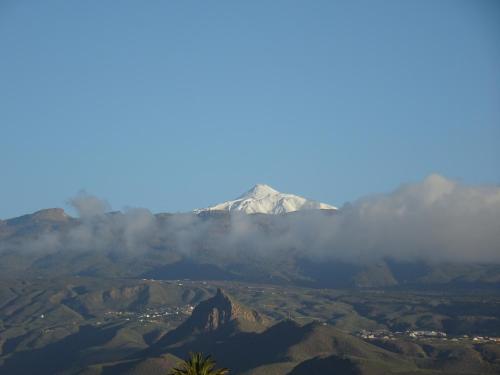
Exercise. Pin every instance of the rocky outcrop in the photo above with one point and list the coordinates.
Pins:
(218, 311)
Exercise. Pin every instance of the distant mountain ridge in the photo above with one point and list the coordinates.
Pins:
(50, 243)
(264, 199)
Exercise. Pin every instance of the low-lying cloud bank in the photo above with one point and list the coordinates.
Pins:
(437, 219)
(434, 220)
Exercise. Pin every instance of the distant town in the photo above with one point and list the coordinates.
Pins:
(418, 335)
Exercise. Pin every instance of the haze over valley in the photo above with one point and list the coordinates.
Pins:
(270, 236)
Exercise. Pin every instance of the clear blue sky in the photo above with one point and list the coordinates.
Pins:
(173, 105)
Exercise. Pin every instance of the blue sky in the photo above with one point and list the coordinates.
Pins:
(173, 105)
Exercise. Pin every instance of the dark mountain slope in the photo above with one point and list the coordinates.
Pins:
(219, 316)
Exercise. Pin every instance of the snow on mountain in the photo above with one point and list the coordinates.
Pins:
(264, 199)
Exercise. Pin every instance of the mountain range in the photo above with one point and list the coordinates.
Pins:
(241, 340)
(257, 282)
(263, 236)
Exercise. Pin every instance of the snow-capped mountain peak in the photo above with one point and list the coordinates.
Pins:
(266, 200)
(259, 191)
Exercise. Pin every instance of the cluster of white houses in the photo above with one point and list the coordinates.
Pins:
(417, 334)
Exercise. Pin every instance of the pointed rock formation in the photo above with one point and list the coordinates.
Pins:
(219, 311)
(219, 315)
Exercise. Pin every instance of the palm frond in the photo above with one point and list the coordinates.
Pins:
(197, 364)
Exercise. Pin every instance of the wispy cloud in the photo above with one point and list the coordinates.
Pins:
(434, 220)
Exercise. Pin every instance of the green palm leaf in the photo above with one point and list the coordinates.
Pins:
(196, 364)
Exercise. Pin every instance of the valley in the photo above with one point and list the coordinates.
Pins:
(104, 326)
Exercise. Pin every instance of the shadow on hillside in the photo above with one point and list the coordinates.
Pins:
(328, 365)
(245, 351)
(60, 355)
(186, 269)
